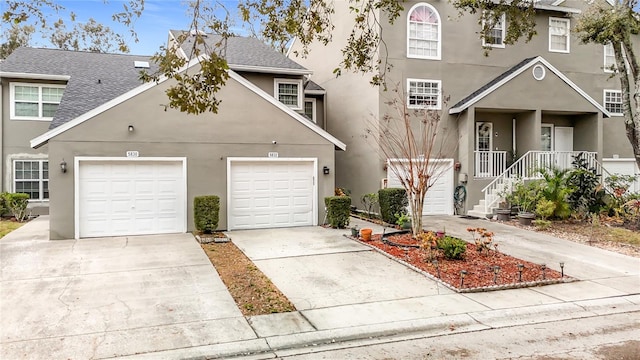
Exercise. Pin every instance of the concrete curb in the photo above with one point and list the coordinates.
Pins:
(306, 342)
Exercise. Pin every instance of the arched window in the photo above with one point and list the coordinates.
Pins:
(423, 32)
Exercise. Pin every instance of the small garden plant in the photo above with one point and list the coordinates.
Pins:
(483, 239)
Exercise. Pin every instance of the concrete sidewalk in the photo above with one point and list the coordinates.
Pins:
(345, 292)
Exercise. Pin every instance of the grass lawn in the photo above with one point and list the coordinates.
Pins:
(7, 227)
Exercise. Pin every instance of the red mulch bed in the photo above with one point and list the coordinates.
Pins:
(479, 266)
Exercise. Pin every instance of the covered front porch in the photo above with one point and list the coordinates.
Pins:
(550, 139)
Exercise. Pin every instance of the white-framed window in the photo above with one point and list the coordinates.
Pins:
(424, 32)
(310, 108)
(34, 101)
(559, 34)
(31, 177)
(424, 94)
(495, 36)
(609, 58)
(289, 92)
(613, 102)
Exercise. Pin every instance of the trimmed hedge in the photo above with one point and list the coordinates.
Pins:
(3, 206)
(338, 208)
(392, 201)
(206, 213)
(17, 204)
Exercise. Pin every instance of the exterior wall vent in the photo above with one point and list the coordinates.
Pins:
(539, 72)
(141, 64)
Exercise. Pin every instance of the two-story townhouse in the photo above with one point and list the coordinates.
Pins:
(538, 103)
(129, 165)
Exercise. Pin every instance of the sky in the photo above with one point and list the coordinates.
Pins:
(158, 17)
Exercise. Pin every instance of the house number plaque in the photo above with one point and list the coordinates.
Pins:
(131, 153)
(272, 154)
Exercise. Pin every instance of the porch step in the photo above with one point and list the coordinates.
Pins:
(478, 210)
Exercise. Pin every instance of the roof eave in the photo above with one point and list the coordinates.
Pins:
(315, 92)
(33, 76)
(563, 9)
(269, 70)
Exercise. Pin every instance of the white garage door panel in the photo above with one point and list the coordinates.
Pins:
(130, 198)
(439, 198)
(271, 194)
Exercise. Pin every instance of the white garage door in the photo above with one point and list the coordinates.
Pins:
(270, 194)
(130, 198)
(439, 198)
(623, 167)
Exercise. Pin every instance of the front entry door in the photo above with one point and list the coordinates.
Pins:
(563, 139)
(484, 143)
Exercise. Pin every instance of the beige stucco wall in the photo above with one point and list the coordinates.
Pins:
(351, 102)
(14, 140)
(245, 126)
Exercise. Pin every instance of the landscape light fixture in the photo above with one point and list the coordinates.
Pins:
(63, 166)
(562, 269)
(496, 270)
(463, 273)
(544, 268)
(520, 268)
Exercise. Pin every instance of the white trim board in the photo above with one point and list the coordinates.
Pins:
(76, 181)
(534, 61)
(33, 76)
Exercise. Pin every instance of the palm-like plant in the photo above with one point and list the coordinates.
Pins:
(557, 190)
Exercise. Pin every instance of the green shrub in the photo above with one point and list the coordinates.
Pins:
(452, 248)
(3, 206)
(206, 213)
(338, 208)
(17, 204)
(392, 201)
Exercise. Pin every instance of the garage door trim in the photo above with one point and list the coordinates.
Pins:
(314, 161)
(76, 179)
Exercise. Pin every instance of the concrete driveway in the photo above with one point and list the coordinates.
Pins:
(98, 298)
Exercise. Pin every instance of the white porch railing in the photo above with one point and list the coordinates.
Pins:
(489, 163)
(527, 168)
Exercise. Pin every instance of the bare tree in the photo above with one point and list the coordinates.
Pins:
(412, 142)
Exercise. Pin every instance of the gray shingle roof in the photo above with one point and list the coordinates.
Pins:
(493, 82)
(244, 51)
(95, 78)
(312, 86)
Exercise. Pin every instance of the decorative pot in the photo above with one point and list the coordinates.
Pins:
(504, 214)
(525, 218)
(406, 225)
(365, 234)
(440, 234)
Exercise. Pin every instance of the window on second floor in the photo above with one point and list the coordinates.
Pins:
(609, 58)
(31, 177)
(495, 36)
(613, 102)
(289, 92)
(423, 32)
(35, 101)
(424, 94)
(559, 35)
(310, 109)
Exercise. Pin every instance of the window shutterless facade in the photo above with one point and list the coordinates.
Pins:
(559, 35)
(613, 102)
(310, 109)
(495, 36)
(424, 94)
(424, 32)
(31, 177)
(34, 101)
(609, 58)
(289, 92)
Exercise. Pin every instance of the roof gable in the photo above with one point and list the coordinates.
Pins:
(43, 139)
(511, 74)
